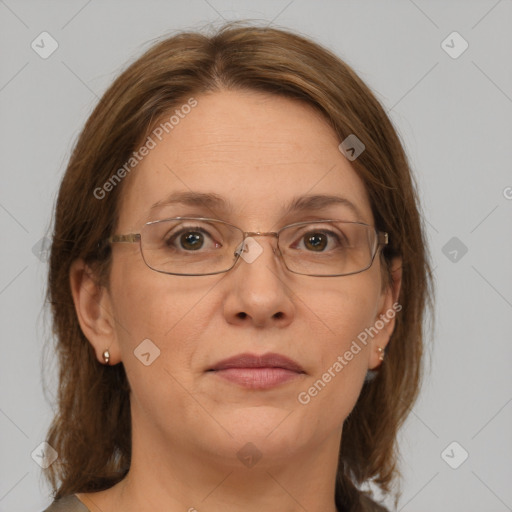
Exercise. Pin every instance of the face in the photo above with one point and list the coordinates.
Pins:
(258, 152)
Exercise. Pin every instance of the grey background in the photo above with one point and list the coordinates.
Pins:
(454, 117)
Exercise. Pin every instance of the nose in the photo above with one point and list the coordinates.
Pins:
(258, 291)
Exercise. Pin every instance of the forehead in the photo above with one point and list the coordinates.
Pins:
(256, 155)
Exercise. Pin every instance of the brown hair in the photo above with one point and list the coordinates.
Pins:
(92, 428)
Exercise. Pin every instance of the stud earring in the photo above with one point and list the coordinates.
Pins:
(381, 353)
(106, 356)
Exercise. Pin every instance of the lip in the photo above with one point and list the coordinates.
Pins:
(257, 371)
(268, 360)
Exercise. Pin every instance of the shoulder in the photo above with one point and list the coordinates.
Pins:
(67, 504)
(368, 505)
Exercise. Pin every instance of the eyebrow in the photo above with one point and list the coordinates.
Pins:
(210, 200)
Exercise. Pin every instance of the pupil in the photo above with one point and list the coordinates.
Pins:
(317, 241)
(190, 240)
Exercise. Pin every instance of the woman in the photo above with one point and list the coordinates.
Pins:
(238, 279)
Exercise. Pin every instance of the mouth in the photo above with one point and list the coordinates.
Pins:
(258, 372)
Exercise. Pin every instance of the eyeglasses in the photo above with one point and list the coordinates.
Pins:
(197, 246)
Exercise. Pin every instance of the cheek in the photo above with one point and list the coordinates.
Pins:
(141, 298)
(161, 308)
(158, 327)
(341, 360)
(348, 346)
(346, 310)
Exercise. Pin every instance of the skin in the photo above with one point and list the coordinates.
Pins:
(258, 151)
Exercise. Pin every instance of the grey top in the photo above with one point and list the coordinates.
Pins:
(67, 504)
(73, 504)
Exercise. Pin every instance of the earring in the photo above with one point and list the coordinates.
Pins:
(106, 356)
(381, 353)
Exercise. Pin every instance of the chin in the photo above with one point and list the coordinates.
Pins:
(272, 430)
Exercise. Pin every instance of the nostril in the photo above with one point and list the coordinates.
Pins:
(242, 314)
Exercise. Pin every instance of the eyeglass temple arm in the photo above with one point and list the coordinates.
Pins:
(133, 237)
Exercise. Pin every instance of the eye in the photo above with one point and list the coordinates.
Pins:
(316, 241)
(321, 240)
(190, 238)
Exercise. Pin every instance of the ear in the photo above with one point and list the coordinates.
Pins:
(94, 311)
(384, 322)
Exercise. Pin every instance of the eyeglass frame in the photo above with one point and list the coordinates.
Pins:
(382, 239)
